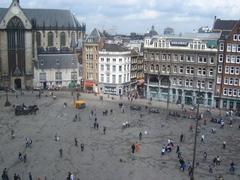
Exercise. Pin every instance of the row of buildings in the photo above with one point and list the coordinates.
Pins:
(49, 48)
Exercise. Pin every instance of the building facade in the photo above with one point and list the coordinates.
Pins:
(227, 93)
(57, 71)
(24, 33)
(90, 55)
(177, 69)
(114, 70)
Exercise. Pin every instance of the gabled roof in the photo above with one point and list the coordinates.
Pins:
(48, 17)
(114, 48)
(57, 61)
(94, 36)
(224, 24)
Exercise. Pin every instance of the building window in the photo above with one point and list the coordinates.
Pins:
(238, 59)
(231, 81)
(58, 76)
(229, 92)
(186, 82)
(236, 82)
(114, 68)
(235, 37)
(164, 57)
(188, 70)
(102, 67)
(108, 79)
(219, 79)
(210, 85)
(229, 47)
(180, 82)
(74, 76)
(102, 59)
(102, 78)
(175, 69)
(181, 69)
(232, 70)
(234, 47)
(199, 71)
(63, 39)
(120, 60)
(211, 60)
(192, 70)
(211, 72)
(42, 77)
(203, 84)
(152, 67)
(226, 81)
(224, 91)
(50, 39)
(120, 79)
(238, 48)
(219, 69)
(163, 68)
(188, 58)
(181, 57)
(38, 39)
(169, 57)
(233, 59)
(157, 67)
(237, 70)
(204, 72)
(221, 47)
(191, 83)
(228, 59)
(227, 70)
(175, 57)
(120, 68)
(198, 84)
(108, 67)
(235, 92)
(220, 58)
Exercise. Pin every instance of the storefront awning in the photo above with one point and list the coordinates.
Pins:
(88, 83)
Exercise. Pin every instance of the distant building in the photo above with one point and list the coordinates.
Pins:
(152, 32)
(176, 68)
(114, 69)
(204, 29)
(137, 74)
(168, 31)
(90, 54)
(57, 70)
(25, 33)
(227, 93)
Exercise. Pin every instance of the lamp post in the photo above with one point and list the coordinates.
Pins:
(7, 103)
(195, 137)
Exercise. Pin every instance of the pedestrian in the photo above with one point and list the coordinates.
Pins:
(232, 168)
(82, 147)
(218, 161)
(71, 177)
(224, 144)
(76, 141)
(133, 148)
(25, 158)
(20, 156)
(104, 130)
(30, 176)
(97, 126)
(163, 150)
(61, 152)
(181, 137)
(12, 134)
(205, 155)
(210, 170)
(140, 136)
(202, 138)
(15, 177)
(178, 149)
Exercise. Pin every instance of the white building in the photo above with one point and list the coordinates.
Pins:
(56, 70)
(114, 69)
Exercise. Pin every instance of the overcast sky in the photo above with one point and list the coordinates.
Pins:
(125, 16)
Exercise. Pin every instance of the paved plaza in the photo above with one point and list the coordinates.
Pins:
(109, 157)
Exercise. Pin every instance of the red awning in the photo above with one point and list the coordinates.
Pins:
(88, 83)
(140, 82)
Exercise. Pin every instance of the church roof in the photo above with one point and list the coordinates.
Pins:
(224, 24)
(48, 17)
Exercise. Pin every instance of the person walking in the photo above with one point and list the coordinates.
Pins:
(202, 138)
(25, 158)
(140, 136)
(178, 149)
(82, 147)
(30, 176)
(224, 144)
(205, 155)
(133, 148)
(76, 141)
(104, 130)
(61, 152)
(181, 137)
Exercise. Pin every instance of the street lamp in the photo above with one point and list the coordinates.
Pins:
(7, 103)
(195, 137)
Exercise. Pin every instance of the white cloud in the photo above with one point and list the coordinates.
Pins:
(143, 15)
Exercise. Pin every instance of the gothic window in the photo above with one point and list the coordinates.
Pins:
(63, 39)
(73, 41)
(16, 46)
(38, 39)
(50, 39)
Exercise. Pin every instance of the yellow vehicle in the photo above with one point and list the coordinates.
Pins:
(79, 104)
